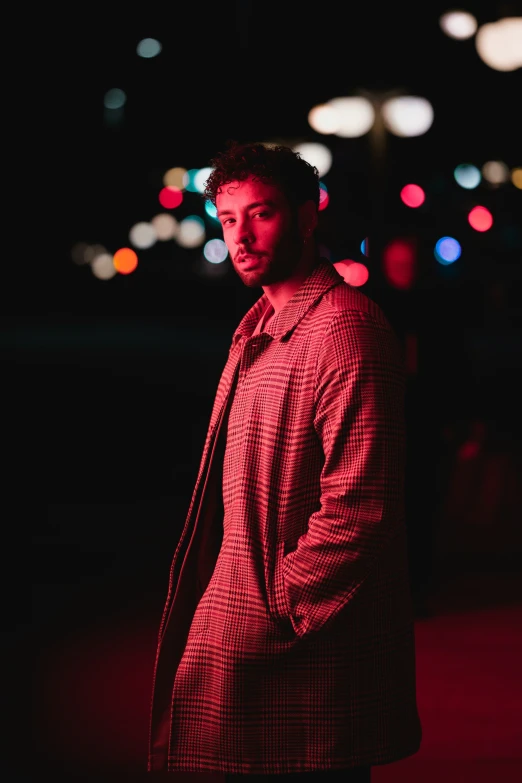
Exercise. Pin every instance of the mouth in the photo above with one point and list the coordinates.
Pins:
(248, 260)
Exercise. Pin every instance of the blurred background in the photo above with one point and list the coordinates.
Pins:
(113, 350)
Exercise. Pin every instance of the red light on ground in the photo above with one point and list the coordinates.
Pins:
(480, 219)
(170, 197)
(125, 260)
(399, 261)
(412, 195)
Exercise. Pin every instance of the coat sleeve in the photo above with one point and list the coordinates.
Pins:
(359, 418)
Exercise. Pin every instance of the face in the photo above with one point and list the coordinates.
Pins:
(260, 232)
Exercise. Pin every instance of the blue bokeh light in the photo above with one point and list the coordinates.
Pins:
(447, 250)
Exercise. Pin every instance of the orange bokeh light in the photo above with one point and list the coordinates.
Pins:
(125, 260)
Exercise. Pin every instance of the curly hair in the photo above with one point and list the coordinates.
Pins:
(275, 163)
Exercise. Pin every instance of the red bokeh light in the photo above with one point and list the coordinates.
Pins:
(399, 261)
(170, 197)
(480, 219)
(324, 199)
(412, 195)
(353, 272)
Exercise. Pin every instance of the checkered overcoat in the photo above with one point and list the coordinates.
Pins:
(287, 637)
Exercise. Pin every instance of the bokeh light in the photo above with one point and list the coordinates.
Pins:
(189, 180)
(92, 251)
(211, 210)
(324, 198)
(165, 225)
(148, 47)
(353, 272)
(323, 119)
(143, 235)
(215, 251)
(399, 262)
(407, 115)
(412, 195)
(496, 172)
(316, 154)
(447, 250)
(103, 267)
(354, 115)
(516, 177)
(458, 24)
(467, 176)
(499, 44)
(200, 179)
(191, 232)
(175, 177)
(125, 260)
(114, 98)
(78, 251)
(480, 218)
(170, 197)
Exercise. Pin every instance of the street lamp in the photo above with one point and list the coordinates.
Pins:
(374, 114)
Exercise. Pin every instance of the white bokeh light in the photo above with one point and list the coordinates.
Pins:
(215, 251)
(495, 172)
(355, 116)
(191, 232)
(499, 44)
(103, 267)
(316, 154)
(458, 24)
(407, 115)
(201, 177)
(165, 225)
(143, 235)
(323, 119)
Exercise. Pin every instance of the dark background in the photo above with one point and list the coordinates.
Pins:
(110, 383)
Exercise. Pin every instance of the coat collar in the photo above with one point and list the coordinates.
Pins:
(323, 277)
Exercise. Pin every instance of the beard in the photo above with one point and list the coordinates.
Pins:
(275, 266)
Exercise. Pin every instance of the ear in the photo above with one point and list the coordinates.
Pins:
(308, 218)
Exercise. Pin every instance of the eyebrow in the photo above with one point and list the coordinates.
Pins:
(264, 203)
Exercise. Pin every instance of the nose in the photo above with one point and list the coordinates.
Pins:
(243, 234)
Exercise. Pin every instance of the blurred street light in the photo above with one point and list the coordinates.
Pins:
(499, 44)
(375, 114)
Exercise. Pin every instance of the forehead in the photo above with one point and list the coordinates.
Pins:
(239, 194)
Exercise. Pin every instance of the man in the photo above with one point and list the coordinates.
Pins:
(287, 639)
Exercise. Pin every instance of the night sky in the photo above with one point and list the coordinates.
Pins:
(111, 382)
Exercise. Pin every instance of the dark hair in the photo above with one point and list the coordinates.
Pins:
(276, 163)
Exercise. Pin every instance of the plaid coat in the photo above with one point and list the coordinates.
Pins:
(287, 638)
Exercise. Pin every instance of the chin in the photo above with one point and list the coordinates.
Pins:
(252, 281)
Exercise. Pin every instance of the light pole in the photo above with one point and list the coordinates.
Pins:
(374, 114)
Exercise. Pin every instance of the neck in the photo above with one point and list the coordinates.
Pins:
(278, 294)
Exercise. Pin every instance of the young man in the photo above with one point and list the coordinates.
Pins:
(287, 639)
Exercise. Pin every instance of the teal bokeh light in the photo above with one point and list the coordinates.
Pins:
(148, 48)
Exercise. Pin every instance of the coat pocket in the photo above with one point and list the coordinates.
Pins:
(279, 595)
